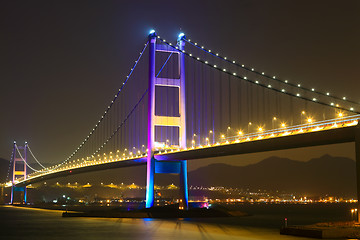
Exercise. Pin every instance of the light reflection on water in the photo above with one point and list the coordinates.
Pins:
(23, 223)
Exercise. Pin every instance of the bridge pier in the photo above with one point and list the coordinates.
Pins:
(184, 194)
(357, 159)
(164, 167)
(150, 173)
(23, 194)
(2, 195)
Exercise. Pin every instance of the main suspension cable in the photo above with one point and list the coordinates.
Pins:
(108, 108)
(312, 90)
(24, 159)
(260, 84)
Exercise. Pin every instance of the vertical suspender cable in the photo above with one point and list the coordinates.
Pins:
(229, 98)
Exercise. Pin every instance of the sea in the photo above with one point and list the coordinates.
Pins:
(263, 222)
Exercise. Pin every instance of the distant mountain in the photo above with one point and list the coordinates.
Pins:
(319, 176)
(4, 166)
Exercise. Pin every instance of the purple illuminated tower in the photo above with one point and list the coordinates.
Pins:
(154, 166)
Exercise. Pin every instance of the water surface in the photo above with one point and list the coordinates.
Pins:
(26, 223)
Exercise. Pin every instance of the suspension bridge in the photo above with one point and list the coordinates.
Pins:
(182, 101)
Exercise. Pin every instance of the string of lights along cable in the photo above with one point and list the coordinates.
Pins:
(299, 86)
(108, 108)
(226, 103)
(262, 74)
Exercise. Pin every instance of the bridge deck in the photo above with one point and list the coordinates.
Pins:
(331, 136)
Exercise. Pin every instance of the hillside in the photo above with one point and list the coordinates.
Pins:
(319, 176)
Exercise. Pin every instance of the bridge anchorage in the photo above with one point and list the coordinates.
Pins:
(19, 161)
(178, 121)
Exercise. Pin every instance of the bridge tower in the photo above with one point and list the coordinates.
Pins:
(154, 166)
(19, 171)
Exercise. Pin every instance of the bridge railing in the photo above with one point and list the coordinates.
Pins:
(313, 126)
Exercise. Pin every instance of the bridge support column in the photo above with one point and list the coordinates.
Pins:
(150, 169)
(184, 194)
(180, 168)
(19, 173)
(150, 173)
(357, 159)
(2, 196)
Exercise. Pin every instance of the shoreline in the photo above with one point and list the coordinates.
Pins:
(171, 211)
(333, 230)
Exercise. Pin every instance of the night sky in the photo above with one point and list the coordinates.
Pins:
(62, 61)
